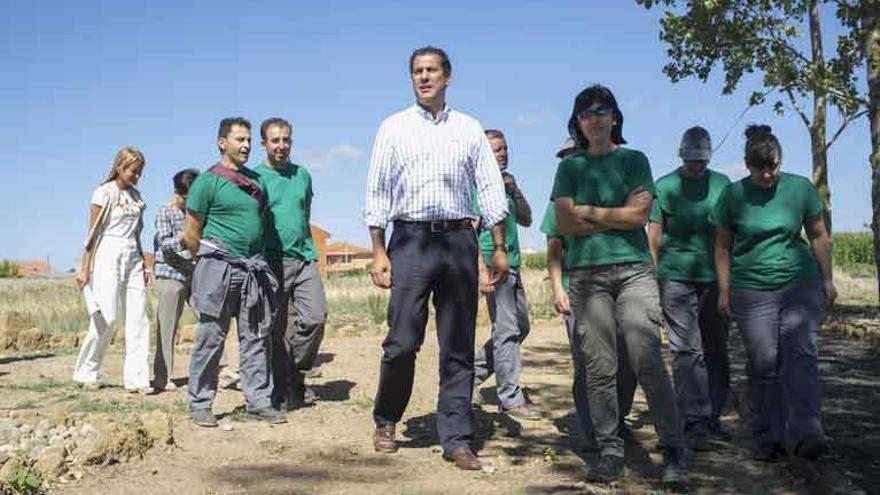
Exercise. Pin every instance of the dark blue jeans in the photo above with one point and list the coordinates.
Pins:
(780, 329)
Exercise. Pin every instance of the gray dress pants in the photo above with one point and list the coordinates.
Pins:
(170, 296)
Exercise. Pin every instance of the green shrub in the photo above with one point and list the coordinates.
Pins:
(9, 269)
(535, 261)
(854, 252)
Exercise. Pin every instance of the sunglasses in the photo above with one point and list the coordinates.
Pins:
(595, 112)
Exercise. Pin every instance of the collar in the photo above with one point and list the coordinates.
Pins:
(443, 116)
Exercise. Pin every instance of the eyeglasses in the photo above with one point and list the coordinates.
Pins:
(595, 112)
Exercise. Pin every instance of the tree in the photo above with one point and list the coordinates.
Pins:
(870, 35)
(8, 269)
(747, 36)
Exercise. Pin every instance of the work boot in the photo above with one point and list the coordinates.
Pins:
(675, 474)
(383, 439)
(610, 468)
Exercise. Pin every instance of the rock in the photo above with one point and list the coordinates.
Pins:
(9, 432)
(26, 428)
(52, 461)
(88, 431)
(11, 325)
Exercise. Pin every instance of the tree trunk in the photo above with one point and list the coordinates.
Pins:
(871, 37)
(820, 110)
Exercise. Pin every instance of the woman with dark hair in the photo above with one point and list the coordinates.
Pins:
(603, 196)
(172, 272)
(774, 286)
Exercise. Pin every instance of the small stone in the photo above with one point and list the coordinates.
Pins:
(88, 431)
(226, 426)
(26, 428)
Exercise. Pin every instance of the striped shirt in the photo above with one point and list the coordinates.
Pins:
(424, 169)
(172, 258)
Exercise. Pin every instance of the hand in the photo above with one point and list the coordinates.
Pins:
(639, 197)
(830, 293)
(380, 272)
(82, 279)
(148, 276)
(487, 283)
(561, 302)
(724, 306)
(500, 267)
(509, 182)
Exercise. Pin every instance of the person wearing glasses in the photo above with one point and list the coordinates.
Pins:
(603, 197)
(775, 285)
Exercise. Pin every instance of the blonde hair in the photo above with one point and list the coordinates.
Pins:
(125, 157)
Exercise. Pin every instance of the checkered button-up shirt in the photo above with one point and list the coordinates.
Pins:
(172, 258)
(424, 169)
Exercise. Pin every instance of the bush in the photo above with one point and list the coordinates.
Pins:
(8, 269)
(535, 261)
(853, 251)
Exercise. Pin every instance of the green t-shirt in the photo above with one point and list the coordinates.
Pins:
(511, 236)
(229, 213)
(289, 196)
(768, 250)
(684, 206)
(549, 229)
(604, 181)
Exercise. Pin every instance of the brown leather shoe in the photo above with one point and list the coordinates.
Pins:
(383, 439)
(464, 458)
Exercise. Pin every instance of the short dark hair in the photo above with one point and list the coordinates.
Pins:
(494, 134)
(432, 50)
(595, 94)
(183, 179)
(277, 121)
(227, 123)
(763, 150)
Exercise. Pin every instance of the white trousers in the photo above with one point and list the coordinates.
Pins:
(118, 269)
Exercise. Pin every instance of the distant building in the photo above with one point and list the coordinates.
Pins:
(342, 256)
(33, 268)
(319, 238)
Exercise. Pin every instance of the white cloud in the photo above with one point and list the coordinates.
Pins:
(326, 158)
(533, 118)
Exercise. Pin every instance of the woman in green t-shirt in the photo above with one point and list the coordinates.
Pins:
(775, 287)
(603, 195)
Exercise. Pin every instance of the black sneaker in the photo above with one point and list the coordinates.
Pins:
(267, 414)
(203, 417)
(609, 468)
(769, 453)
(699, 443)
(299, 396)
(812, 448)
(675, 474)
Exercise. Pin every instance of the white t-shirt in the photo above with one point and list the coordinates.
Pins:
(124, 215)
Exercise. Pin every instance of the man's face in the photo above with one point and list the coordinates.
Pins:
(277, 144)
(429, 81)
(499, 149)
(237, 145)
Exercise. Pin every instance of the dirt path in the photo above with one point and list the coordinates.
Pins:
(327, 448)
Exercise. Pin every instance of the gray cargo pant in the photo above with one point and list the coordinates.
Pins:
(626, 382)
(698, 342)
(170, 296)
(625, 296)
(254, 353)
(780, 329)
(298, 329)
(509, 312)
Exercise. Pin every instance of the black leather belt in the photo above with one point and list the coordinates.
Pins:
(438, 226)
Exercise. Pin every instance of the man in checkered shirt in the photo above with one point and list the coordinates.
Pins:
(172, 272)
(426, 162)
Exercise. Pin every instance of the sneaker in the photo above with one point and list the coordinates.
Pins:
(772, 453)
(267, 414)
(699, 443)
(812, 448)
(524, 412)
(675, 474)
(609, 468)
(203, 417)
(718, 433)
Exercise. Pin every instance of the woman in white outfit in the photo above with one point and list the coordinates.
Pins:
(112, 266)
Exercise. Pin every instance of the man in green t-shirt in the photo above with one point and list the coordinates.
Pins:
(302, 307)
(682, 240)
(508, 307)
(224, 228)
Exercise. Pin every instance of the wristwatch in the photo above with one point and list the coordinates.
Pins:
(500, 247)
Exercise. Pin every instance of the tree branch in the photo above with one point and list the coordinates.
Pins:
(797, 107)
(843, 126)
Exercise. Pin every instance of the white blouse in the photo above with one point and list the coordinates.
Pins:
(124, 215)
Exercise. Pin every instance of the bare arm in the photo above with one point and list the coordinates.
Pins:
(723, 240)
(380, 271)
(192, 232)
(523, 209)
(500, 266)
(571, 223)
(820, 244)
(555, 256)
(655, 234)
(631, 215)
(84, 276)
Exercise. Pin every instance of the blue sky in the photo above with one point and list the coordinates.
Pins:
(83, 79)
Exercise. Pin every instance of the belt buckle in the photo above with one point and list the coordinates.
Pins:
(437, 227)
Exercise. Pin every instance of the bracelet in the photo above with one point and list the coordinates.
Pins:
(500, 247)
